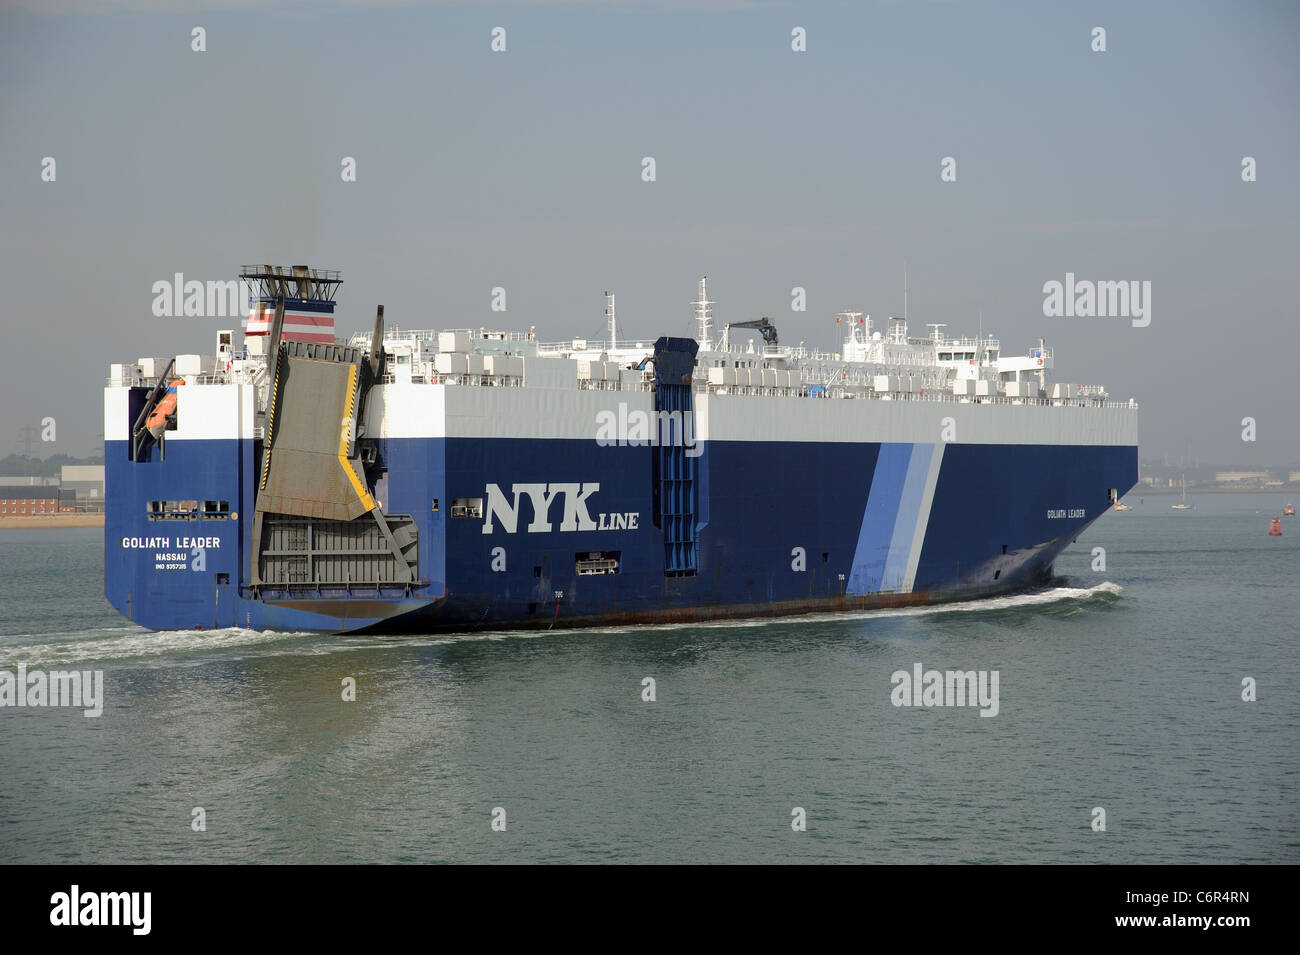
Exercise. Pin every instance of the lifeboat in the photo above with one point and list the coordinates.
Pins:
(1275, 527)
(156, 423)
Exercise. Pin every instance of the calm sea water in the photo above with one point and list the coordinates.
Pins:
(1118, 689)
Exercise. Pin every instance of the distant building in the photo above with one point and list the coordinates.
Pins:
(1242, 477)
(1293, 477)
(86, 479)
(28, 499)
(8, 480)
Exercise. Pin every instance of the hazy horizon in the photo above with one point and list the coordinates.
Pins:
(774, 169)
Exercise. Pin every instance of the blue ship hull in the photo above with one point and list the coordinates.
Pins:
(779, 528)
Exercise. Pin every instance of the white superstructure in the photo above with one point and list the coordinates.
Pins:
(880, 364)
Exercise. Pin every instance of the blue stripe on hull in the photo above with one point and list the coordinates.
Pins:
(857, 512)
(876, 534)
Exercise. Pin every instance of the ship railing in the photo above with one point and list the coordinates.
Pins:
(280, 271)
(595, 348)
(511, 381)
(850, 390)
(477, 381)
(431, 377)
(952, 343)
(616, 385)
(134, 381)
(396, 334)
(493, 335)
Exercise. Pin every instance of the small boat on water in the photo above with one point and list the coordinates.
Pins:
(1182, 505)
(1288, 511)
(1275, 527)
(1121, 506)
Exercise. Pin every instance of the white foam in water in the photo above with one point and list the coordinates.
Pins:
(1055, 595)
(1038, 598)
(983, 604)
(136, 642)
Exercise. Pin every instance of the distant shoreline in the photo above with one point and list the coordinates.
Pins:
(1287, 492)
(9, 522)
(38, 521)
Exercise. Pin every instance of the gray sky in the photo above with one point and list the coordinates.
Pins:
(775, 169)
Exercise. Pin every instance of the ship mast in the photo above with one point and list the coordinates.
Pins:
(704, 315)
(852, 320)
(613, 322)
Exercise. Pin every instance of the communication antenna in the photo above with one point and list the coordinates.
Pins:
(613, 322)
(704, 314)
(27, 431)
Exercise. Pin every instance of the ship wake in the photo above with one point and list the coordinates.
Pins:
(112, 644)
(135, 644)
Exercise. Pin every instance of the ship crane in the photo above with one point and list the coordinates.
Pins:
(765, 327)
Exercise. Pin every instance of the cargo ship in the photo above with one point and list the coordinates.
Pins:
(457, 479)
